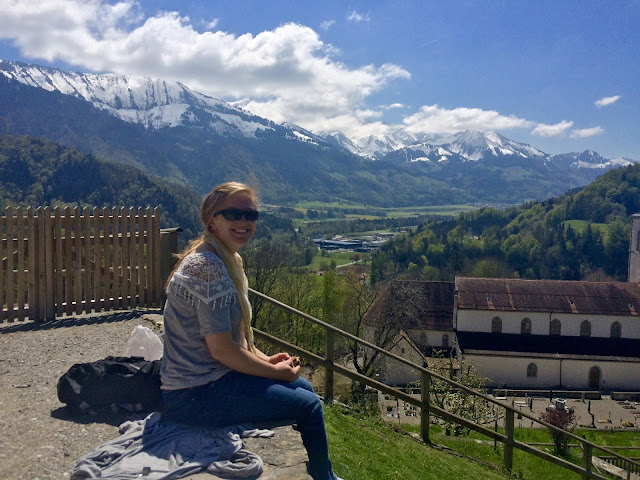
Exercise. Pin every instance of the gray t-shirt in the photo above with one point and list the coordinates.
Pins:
(201, 299)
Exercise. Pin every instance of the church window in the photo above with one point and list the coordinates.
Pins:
(532, 370)
(585, 328)
(496, 325)
(616, 330)
(555, 327)
(525, 326)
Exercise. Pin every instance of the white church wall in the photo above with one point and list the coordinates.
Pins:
(431, 338)
(480, 321)
(511, 371)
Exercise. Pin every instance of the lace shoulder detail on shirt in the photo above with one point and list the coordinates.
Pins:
(204, 277)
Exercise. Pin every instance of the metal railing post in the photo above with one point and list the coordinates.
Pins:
(328, 371)
(425, 396)
(586, 459)
(508, 444)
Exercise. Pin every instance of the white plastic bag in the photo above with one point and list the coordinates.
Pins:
(143, 342)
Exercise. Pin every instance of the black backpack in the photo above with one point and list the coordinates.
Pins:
(132, 383)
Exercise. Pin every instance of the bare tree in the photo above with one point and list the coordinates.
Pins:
(264, 264)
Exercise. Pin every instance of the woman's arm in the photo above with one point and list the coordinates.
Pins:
(276, 358)
(225, 350)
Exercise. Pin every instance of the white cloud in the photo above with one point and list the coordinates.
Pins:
(287, 73)
(603, 102)
(433, 119)
(544, 130)
(327, 24)
(358, 17)
(212, 24)
(587, 132)
(394, 106)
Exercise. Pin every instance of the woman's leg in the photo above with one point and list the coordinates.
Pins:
(237, 398)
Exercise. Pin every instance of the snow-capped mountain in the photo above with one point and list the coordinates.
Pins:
(157, 104)
(591, 159)
(174, 132)
(150, 102)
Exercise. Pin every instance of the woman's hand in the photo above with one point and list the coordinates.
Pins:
(288, 370)
(225, 350)
(278, 357)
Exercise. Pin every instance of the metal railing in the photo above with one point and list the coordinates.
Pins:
(586, 470)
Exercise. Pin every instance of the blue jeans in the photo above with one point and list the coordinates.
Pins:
(237, 398)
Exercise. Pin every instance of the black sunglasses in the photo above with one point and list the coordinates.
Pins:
(234, 214)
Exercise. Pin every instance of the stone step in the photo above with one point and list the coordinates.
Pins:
(283, 455)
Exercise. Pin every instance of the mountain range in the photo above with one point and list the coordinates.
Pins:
(169, 130)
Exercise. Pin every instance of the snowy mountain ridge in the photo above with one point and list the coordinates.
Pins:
(157, 104)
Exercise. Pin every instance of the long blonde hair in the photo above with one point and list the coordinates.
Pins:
(233, 262)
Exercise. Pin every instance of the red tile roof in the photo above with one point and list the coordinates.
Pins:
(593, 298)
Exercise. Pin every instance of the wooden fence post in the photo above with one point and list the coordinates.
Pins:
(3, 269)
(425, 396)
(508, 444)
(169, 247)
(10, 277)
(328, 375)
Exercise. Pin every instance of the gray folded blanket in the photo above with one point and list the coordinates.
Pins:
(157, 448)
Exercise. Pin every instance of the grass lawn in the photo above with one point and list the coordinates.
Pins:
(340, 258)
(366, 448)
(526, 466)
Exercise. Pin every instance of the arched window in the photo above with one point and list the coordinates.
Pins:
(616, 330)
(445, 340)
(555, 327)
(585, 328)
(496, 325)
(525, 326)
(532, 370)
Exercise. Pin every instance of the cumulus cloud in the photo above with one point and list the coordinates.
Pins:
(433, 119)
(394, 106)
(358, 17)
(211, 25)
(587, 132)
(544, 130)
(327, 24)
(603, 102)
(287, 73)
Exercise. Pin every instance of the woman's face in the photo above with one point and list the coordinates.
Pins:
(234, 233)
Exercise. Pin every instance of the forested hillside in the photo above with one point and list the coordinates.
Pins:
(582, 235)
(35, 172)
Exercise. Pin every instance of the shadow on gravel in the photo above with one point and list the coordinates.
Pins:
(88, 319)
(105, 416)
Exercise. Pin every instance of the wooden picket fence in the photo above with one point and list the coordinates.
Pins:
(56, 262)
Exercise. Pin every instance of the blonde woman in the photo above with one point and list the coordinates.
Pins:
(212, 373)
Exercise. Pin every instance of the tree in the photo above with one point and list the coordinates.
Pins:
(564, 419)
(458, 401)
(265, 263)
(358, 299)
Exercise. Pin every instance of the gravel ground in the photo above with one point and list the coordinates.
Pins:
(39, 437)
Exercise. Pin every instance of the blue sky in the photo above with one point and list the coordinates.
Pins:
(561, 75)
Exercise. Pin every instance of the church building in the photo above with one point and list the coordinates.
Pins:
(530, 334)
